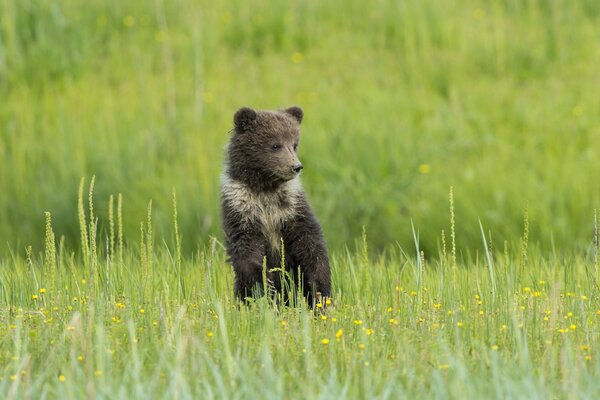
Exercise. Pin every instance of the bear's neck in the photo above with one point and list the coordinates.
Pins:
(254, 179)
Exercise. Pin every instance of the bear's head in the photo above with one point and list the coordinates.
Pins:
(263, 149)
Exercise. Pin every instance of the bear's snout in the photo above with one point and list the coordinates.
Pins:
(297, 167)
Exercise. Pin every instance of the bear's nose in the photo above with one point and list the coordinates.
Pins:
(297, 168)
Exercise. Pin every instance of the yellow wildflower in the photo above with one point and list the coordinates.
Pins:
(297, 57)
(424, 169)
(208, 97)
(128, 21)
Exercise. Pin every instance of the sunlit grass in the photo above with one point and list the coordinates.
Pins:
(402, 100)
(399, 324)
(117, 286)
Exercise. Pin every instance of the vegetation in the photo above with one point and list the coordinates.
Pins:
(459, 138)
(147, 323)
(402, 100)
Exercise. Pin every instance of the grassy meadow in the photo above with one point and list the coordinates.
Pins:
(402, 100)
(451, 152)
(115, 322)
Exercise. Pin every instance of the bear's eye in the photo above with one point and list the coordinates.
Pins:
(295, 146)
(276, 146)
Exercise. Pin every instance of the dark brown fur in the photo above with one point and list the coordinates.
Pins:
(263, 204)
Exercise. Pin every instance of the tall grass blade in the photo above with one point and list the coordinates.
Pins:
(490, 265)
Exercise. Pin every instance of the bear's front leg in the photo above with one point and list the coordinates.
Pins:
(248, 277)
(307, 246)
(318, 281)
(246, 252)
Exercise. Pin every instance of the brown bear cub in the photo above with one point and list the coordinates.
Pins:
(265, 210)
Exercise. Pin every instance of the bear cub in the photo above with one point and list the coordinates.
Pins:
(265, 210)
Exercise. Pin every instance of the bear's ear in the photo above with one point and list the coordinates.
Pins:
(244, 118)
(295, 112)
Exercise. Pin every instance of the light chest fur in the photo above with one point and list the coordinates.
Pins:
(270, 210)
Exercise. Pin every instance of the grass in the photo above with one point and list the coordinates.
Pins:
(458, 137)
(402, 100)
(140, 321)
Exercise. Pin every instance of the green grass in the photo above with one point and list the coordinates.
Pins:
(125, 296)
(140, 321)
(495, 99)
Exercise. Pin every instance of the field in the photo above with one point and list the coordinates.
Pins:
(151, 324)
(451, 152)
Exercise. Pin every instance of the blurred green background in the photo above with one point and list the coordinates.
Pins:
(402, 99)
